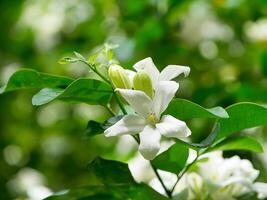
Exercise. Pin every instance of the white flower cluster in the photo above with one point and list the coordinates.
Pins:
(224, 178)
(214, 178)
(149, 93)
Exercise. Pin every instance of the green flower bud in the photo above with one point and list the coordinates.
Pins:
(118, 77)
(142, 81)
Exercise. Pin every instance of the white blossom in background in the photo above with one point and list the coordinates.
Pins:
(256, 31)
(150, 98)
(206, 26)
(47, 18)
(31, 183)
(141, 168)
(225, 178)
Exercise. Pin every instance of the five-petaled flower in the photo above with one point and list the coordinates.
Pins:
(147, 119)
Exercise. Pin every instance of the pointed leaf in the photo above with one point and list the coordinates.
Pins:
(239, 143)
(242, 115)
(208, 141)
(96, 128)
(172, 160)
(31, 79)
(81, 90)
(118, 192)
(184, 109)
(111, 172)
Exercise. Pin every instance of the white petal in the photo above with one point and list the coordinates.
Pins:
(149, 67)
(138, 100)
(172, 71)
(149, 142)
(130, 74)
(172, 127)
(164, 93)
(130, 124)
(261, 189)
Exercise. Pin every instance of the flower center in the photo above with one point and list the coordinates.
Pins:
(152, 119)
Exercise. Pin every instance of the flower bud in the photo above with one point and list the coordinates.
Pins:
(118, 77)
(142, 81)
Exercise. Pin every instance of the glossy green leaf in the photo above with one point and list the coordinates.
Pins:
(239, 143)
(172, 160)
(88, 192)
(111, 172)
(118, 192)
(242, 116)
(68, 60)
(81, 90)
(96, 128)
(184, 109)
(31, 79)
(208, 141)
(93, 128)
(116, 176)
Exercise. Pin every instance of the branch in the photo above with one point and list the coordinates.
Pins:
(184, 171)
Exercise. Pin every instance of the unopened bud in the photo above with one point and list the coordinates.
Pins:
(119, 77)
(142, 81)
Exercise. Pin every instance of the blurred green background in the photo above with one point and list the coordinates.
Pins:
(223, 41)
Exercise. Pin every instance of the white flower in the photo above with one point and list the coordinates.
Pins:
(148, 120)
(260, 189)
(228, 178)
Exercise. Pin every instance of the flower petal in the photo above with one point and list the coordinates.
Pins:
(261, 189)
(172, 71)
(130, 124)
(149, 142)
(138, 100)
(149, 67)
(130, 74)
(164, 93)
(172, 127)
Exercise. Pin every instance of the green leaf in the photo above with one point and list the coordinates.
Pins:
(208, 141)
(93, 128)
(96, 128)
(238, 143)
(118, 192)
(87, 192)
(144, 192)
(31, 79)
(111, 172)
(93, 57)
(172, 160)
(67, 60)
(118, 185)
(45, 95)
(184, 109)
(242, 115)
(81, 90)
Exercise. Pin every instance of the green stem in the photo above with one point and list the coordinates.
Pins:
(184, 171)
(120, 103)
(109, 110)
(94, 70)
(168, 192)
(108, 82)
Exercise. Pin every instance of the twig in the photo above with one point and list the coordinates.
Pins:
(168, 192)
(108, 82)
(184, 171)
(120, 104)
(94, 70)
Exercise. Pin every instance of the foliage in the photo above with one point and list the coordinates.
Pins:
(227, 67)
